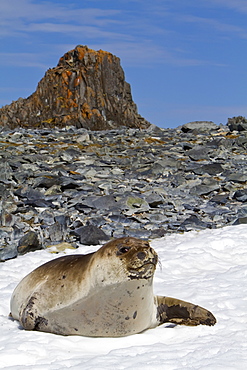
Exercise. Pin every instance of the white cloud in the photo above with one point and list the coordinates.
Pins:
(146, 53)
(23, 60)
(28, 9)
(238, 5)
(28, 15)
(87, 32)
(226, 28)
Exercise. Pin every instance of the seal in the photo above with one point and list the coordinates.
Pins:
(108, 293)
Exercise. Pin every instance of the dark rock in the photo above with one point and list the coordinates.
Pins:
(199, 153)
(157, 218)
(2, 189)
(187, 146)
(154, 199)
(237, 123)
(46, 217)
(39, 203)
(92, 235)
(211, 169)
(6, 173)
(242, 140)
(29, 243)
(29, 193)
(193, 222)
(157, 233)
(97, 221)
(7, 219)
(242, 211)
(240, 220)
(120, 219)
(199, 126)
(57, 232)
(220, 198)
(241, 195)
(206, 187)
(221, 142)
(168, 162)
(47, 181)
(238, 177)
(104, 202)
(63, 220)
(8, 252)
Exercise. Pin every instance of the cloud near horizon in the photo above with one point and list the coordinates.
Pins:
(237, 5)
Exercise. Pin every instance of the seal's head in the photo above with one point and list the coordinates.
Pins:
(133, 258)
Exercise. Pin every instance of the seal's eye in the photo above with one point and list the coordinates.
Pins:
(122, 250)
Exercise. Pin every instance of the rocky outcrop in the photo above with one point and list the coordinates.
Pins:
(87, 89)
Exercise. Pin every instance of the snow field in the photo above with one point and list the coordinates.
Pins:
(208, 268)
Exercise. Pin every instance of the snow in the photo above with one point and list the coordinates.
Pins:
(208, 268)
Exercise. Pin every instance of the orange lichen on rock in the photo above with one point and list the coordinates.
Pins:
(96, 112)
(153, 140)
(86, 111)
(77, 81)
(81, 52)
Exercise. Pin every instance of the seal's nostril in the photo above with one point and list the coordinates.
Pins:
(141, 255)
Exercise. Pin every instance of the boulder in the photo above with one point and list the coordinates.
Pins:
(237, 123)
(200, 126)
(91, 235)
(29, 243)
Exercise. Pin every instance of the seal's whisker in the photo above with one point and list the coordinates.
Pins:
(160, 264)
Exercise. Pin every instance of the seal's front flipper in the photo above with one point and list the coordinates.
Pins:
(182, 313)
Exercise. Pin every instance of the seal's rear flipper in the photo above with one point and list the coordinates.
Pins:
(29, 316)
(182, 313)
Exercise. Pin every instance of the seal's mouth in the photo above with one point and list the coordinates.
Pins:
(145, 271)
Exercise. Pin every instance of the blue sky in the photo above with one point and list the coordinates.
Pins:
(185, 60)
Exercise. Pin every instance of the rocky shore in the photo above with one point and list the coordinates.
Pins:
(65, 187)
